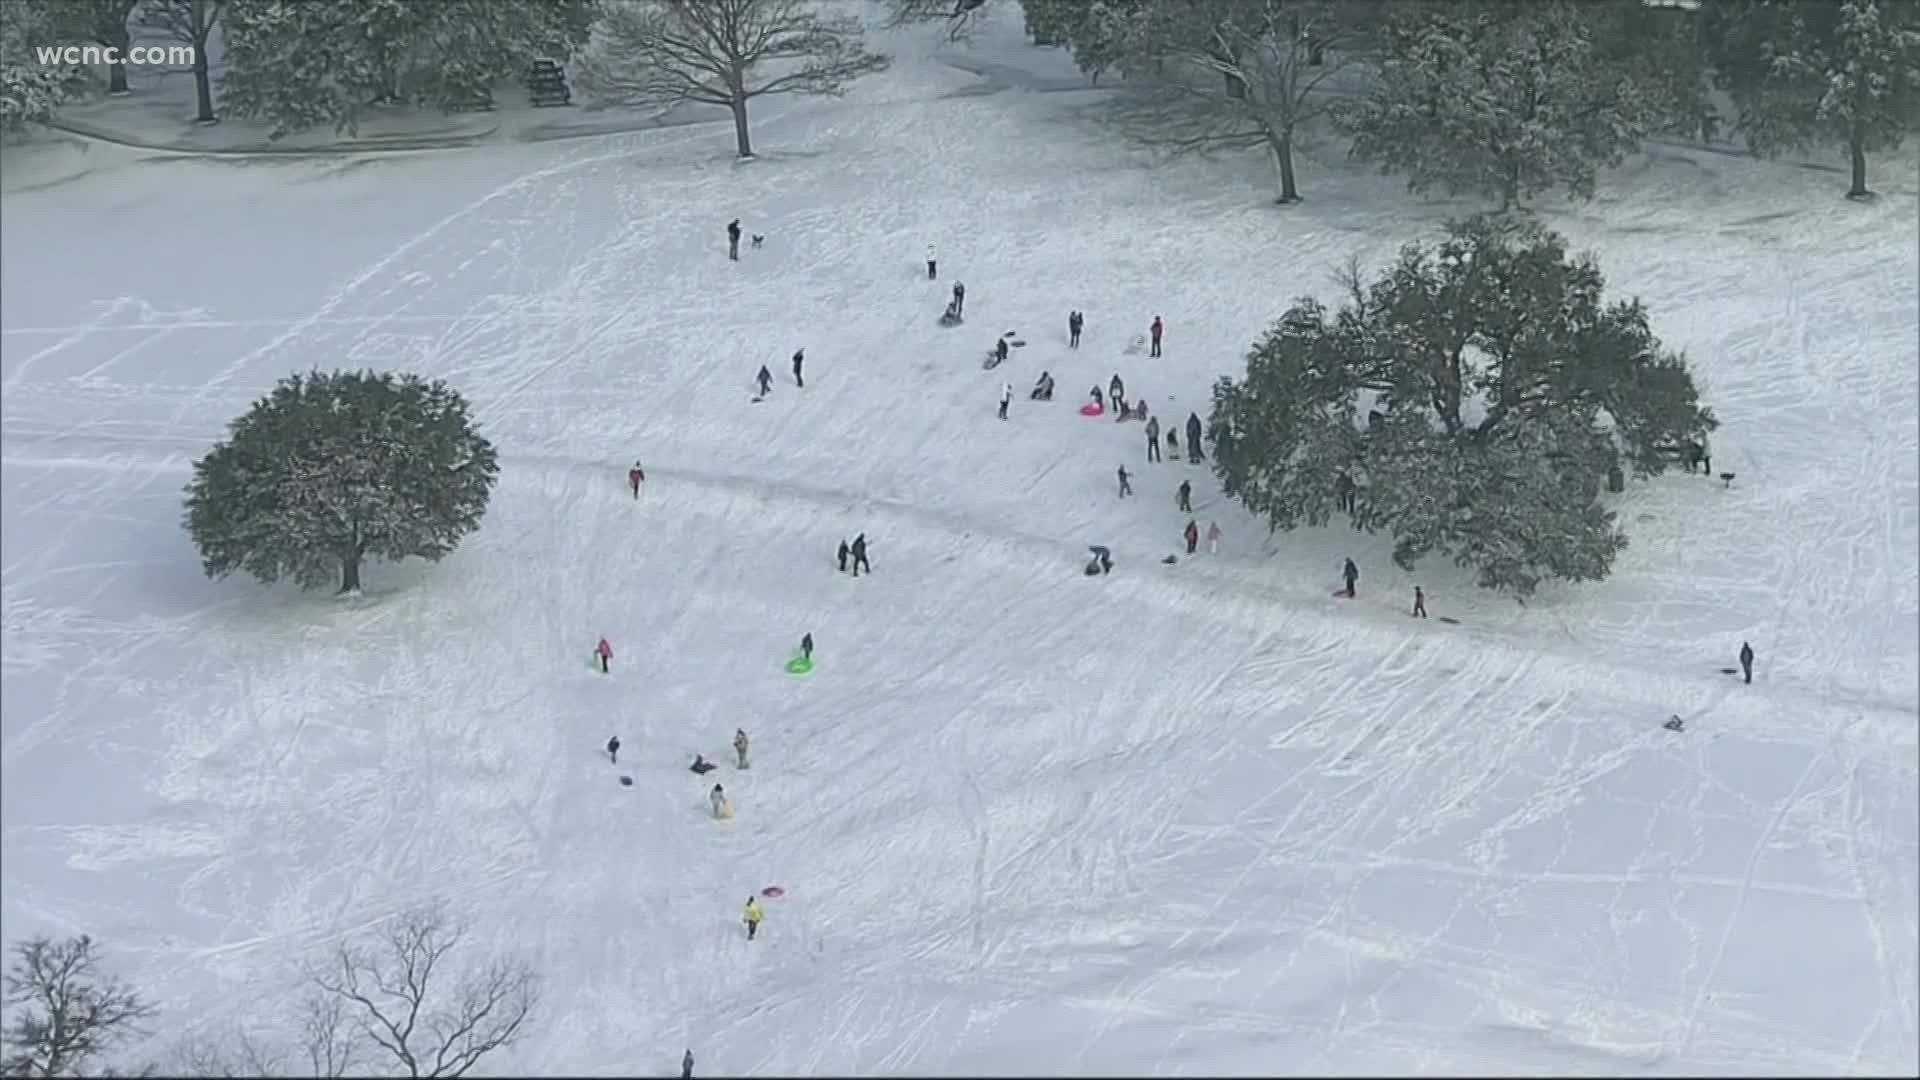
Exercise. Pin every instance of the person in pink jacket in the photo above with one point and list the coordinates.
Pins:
(605, 652)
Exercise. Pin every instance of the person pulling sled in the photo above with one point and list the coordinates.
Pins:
(1102, 561)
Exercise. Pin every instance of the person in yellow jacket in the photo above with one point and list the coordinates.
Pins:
(753, 917)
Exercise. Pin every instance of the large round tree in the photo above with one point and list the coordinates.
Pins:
(1469, 402)
(330, 469)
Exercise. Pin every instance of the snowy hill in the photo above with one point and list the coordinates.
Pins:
(1183, 819)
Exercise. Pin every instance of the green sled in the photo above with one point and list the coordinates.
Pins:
(799, 665)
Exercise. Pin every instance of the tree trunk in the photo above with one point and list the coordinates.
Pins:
(202, 88)
(1859, 156)
(740, 139)
(117, 79)
(1281, 147)
(349, 574)
(1236, 86)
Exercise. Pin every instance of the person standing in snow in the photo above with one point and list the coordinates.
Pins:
(843, 556)
(1419, 602)
(1213, 538)
(1153, 439)
(1154, 333)
(1075, 321)
(806, 640)
(1006, 398)
(1344, 491)
(860, 555)
(959, 298)
(1706, 460)
(1116, 390)
(740, 746)
(799, 357)
(1173, 442)
(733, 239)
(1193, 438)
(1351, 573)
(1000, 350)
(1746, 661)
(1126, 489)
(765, 379)
(930, 263)
(613, 750)
(1183, 498)
(686, 1066)
(717, 798)
(635, 477)
(1193, 536)
(605, 652)
(753, 914)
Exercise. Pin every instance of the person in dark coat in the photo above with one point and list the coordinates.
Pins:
(806, 645)
(1097, 399)
(1746, 661)
(613, 749)
(1193, 437)
(1154, 332)
(1419, 602)
(1116, 390)
(733, 239)
(1000, 350)
(959, 298)
(1126, 489)
(686, 1066)
(859, 551)
(1074, 322)
(635, 477)
(1183, 498)
(1102, 561)
(1173, 441)
(799, 357)
(1344, 492)
(1153, 438)
(843, 556)
(1352, 574)
(1193, 536)
(765, 379)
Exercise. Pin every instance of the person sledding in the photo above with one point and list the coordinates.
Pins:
(951, 317)
(1102, 561)
(1042, 388)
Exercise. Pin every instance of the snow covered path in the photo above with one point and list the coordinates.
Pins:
(1184, 819)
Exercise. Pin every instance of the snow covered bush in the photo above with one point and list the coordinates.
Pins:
(1469, 401)
(331, 468)
(30, 90)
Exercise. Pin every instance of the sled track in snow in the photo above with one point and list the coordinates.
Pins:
(1287, 616)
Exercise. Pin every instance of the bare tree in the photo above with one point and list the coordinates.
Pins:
(240, 1056)
(664, 52)
(189, 22)
(399, 995)
(69, 1013)
(1238, 73)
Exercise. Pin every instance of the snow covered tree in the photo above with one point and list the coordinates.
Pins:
(1231, 73)
(398, 1000)
(67, 1014)
(329, 469)
(191, 23)
(100, 22)
(1504, 385)
(1498, 97)
(29, 89)
(1803, 72)
(1661, 49)
(301, 65)
(959, 16)
(660, 53)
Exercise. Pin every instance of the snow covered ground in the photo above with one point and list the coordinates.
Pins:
(1197, 818)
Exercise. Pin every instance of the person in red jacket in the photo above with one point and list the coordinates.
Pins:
(1154, 332)
(1193, 536)
(605, 652)
(635, 477)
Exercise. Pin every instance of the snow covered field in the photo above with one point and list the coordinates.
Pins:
(1184, 819)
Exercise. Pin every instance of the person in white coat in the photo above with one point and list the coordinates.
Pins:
(717, 798)
(1006, 395)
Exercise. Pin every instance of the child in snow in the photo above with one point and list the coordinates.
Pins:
(740, 745)
(843, 556)
(1351, 573)
(1006, 396)
(959, 298)
(1213, 538)
(635, 477)
(753, 914)
(613, 749)
(806, 640)
(605, 652)
(930, 263)
(1116, 389)
(1183, 498)
(1153, 439)
(718, 800)
(1154, 332)
(1193, 536)
(1075, 321)
(799, 357)
(733, 239)
(1098, 401)
(1126, 489)
(765, 379)
(1746, 660)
